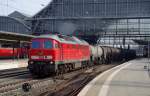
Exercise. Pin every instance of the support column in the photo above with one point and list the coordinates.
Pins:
(124, 42)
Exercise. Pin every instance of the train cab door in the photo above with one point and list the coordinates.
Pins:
(59, 50)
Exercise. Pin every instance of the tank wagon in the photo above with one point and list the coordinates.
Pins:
(127, 54)
(60, 54)
(104, 54)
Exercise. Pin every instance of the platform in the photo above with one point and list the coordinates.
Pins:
(9, 64)
(128, 79)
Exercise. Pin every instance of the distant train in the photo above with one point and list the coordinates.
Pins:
(7, 52)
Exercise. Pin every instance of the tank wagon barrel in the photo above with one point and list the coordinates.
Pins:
(107, 54)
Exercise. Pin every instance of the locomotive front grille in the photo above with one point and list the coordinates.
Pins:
(40, 63)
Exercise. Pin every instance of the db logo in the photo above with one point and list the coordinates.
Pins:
(40, 53)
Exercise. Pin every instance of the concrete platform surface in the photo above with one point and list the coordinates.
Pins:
(9, 64)
(128, 79)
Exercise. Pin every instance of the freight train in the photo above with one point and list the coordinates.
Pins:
(60, 54)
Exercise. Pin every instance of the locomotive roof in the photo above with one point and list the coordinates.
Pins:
(64, 39)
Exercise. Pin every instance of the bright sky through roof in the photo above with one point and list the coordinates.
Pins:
(29, 7)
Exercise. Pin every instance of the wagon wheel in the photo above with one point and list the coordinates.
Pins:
(67, 67)
(70, 67)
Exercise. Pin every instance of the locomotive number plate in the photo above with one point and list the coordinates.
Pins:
(41, 57)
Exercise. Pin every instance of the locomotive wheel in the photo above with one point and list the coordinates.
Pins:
(57, 72)
(61, 69)
(66, 68)
(84, 64)
(69, 67)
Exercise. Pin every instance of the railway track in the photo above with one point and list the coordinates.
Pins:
(74, 85)
(79, 88)
(14, 87)
(49, 86)
(13, 72)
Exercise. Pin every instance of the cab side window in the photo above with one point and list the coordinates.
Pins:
(56, 45)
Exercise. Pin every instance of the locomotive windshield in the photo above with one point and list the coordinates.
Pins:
(48, 44)
(35, 44)
(42, 44)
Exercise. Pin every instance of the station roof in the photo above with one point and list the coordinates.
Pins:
(142, 42)
(64, 39)
(11, 36)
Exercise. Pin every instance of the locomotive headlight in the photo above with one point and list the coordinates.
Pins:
(31, 62)
(51, 62)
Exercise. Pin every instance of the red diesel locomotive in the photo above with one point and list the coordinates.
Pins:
(57, 53)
